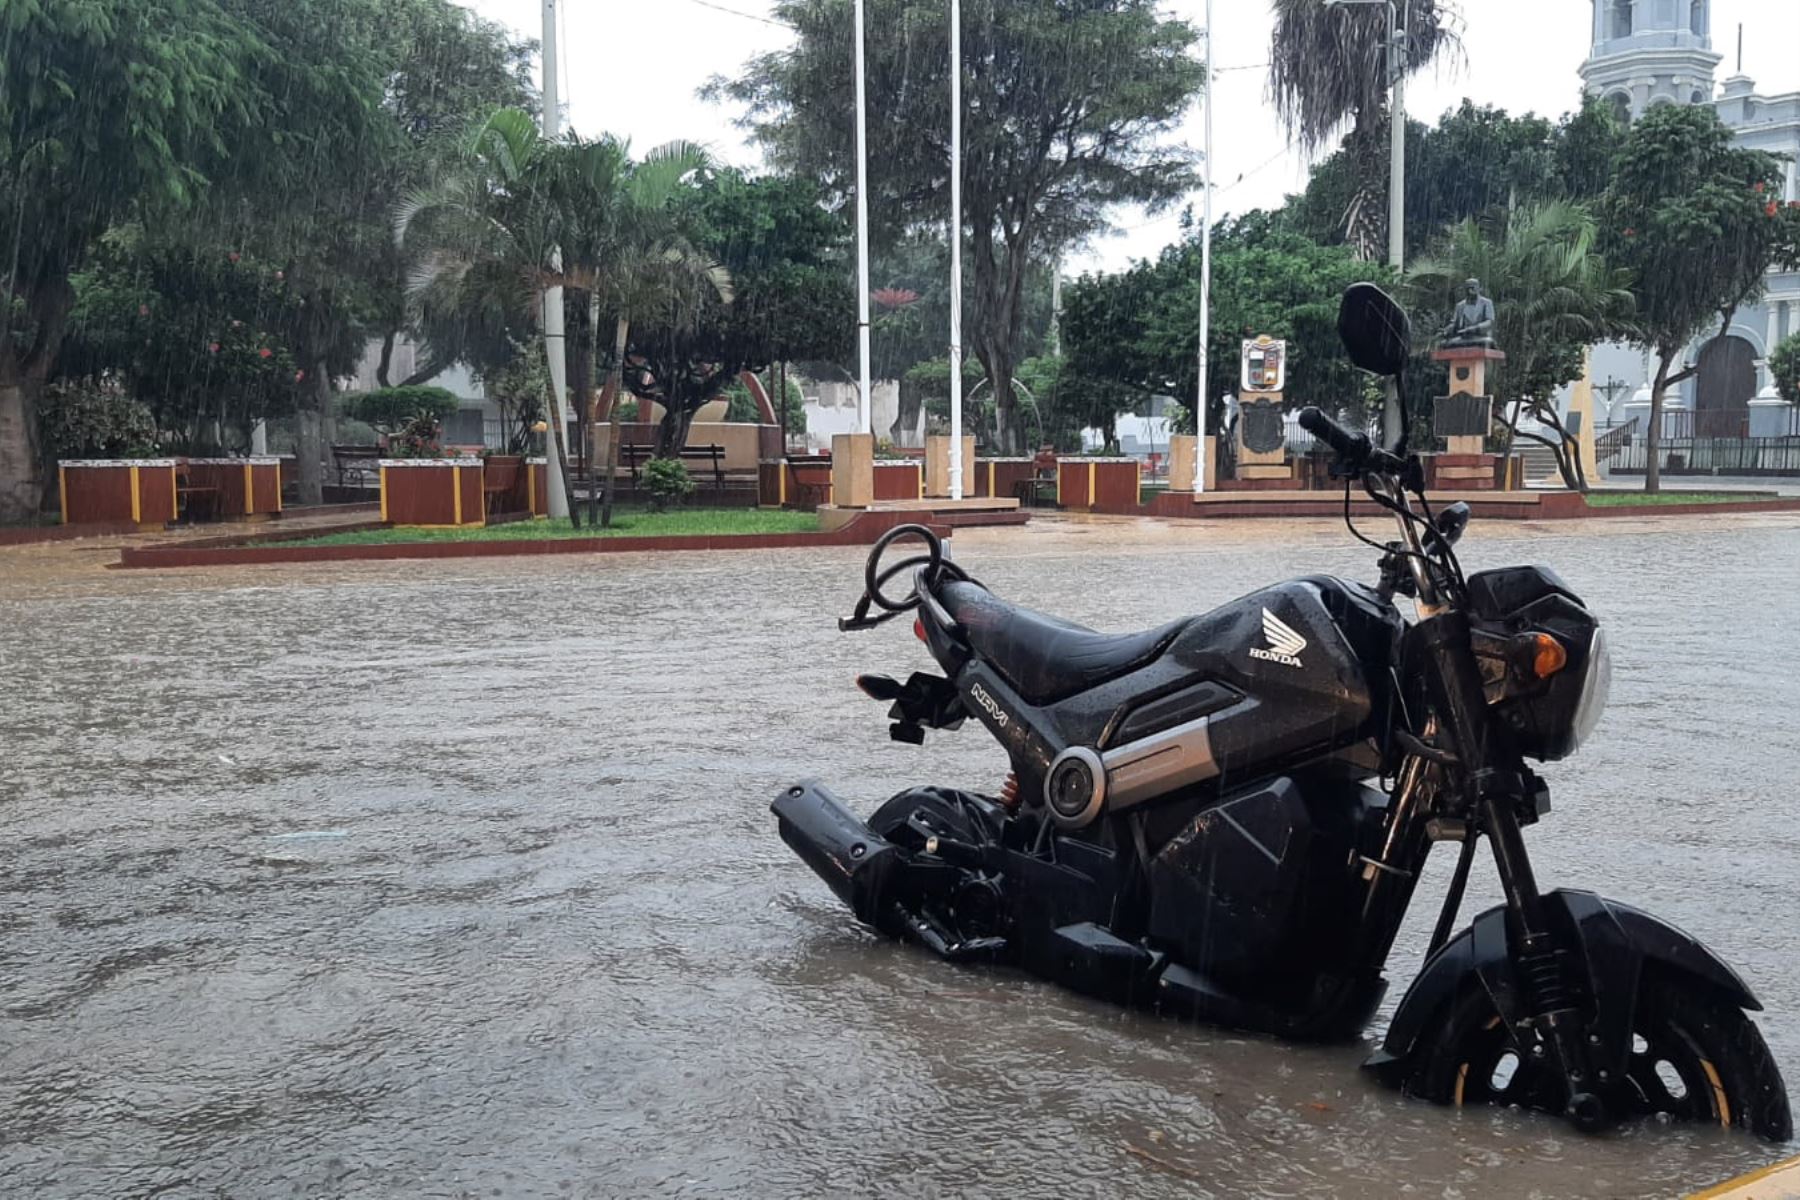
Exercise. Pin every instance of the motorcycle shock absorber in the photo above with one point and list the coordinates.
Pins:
(1009, 792)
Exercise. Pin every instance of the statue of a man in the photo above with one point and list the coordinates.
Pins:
(1473, 322)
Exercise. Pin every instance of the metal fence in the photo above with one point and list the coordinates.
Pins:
(1715, 456)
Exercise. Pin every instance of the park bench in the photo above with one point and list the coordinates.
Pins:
(635, 453)
(356, 466)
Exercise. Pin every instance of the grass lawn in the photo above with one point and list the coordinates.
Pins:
(1617, 499)
(688, 522)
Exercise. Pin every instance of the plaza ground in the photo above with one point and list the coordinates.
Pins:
(473, 861)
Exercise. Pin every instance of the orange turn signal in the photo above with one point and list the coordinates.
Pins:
(1547, 655)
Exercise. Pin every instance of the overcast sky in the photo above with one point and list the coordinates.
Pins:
(633, 67)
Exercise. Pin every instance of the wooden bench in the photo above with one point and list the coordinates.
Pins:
(637, 453)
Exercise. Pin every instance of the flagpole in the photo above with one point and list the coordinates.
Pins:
(956, 398)
(864, 401)
(1205, 262)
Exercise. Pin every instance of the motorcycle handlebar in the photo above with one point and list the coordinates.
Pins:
(1353, 448)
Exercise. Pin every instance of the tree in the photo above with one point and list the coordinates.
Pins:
(1064, 108)
(1140, 329)
(1784, 365)
(198, 335)
(1328, 68)
(1694, 219)
(785, 257)
(106, 107)
(1554, 296)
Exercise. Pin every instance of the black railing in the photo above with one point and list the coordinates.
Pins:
(1714, 456)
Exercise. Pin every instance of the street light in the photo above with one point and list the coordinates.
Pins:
(1399, 23)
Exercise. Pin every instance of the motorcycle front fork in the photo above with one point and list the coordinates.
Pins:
(1495, 780)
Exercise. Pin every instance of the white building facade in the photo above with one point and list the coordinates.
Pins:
(1649, 52)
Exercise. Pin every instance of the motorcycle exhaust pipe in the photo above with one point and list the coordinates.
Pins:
(851, 858)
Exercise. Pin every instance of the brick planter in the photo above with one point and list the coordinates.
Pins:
(116, 491)
(897, 479)
(1001, 477)
(432, 491)
(241, 487)
(1084, 484)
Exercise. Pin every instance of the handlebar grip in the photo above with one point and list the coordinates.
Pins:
(1353, 448)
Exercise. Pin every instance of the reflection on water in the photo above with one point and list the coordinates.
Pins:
(458, 879)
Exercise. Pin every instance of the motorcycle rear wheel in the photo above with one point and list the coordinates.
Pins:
(1695, 1057)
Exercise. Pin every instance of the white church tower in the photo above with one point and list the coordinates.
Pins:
(1647, 52)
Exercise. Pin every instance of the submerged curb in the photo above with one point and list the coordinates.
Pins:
(862, 531)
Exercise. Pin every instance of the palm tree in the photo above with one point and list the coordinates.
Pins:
(1328, 69)
(1554, 296)
(522, 214)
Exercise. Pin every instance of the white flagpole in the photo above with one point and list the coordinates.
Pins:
(956, 422)
(556, 499)
(864, 400)
(1205, 263)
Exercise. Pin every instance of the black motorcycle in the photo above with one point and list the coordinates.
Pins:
(1225, 818)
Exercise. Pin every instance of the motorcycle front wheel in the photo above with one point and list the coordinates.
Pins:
(1695, 1056)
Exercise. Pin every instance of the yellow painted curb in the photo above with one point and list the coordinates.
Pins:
(1777, 1181)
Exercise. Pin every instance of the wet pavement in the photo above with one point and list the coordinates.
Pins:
(457, 879)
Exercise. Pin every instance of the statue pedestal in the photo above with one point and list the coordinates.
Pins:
(1262, 437)
(1464, 417)
(852, 469)
(1183, 451)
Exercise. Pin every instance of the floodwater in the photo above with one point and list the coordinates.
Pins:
(458, 879)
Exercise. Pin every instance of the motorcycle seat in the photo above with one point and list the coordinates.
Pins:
(1045, 658)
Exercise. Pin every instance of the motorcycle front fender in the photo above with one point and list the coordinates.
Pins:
(1612, 941)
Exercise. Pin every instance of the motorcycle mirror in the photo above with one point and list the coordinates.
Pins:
(1452, 519)
(1374, 330)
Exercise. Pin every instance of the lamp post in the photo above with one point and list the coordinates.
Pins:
(556, 497)
(864, 403)
(1205, 263)
(956, 349)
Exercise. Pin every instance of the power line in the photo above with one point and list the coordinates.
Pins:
(740, 13)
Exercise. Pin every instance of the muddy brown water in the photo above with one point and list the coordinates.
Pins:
(458, 879)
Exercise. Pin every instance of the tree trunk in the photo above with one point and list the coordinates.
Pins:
(309, 442)
(621, 334)
(580, 342)
(387, 358)
(1653, 436)
(20, 491)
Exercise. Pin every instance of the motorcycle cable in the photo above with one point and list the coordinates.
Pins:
(932, 566)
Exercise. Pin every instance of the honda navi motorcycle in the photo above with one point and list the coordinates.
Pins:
(1225, 818)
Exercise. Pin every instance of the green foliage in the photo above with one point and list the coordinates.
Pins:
(1067, 105)
(199, 335)
(628, 410)
(518, 385)
(420, 436)
(390, 410)
(742, 406)
(668, 482)
(1138, 330)
(786, 258)
(94, 418)
(1475, 162)
(1784, 364)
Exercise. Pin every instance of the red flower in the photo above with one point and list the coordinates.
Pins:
(143, 310)
(894, 297)
(213, 347)
(265, 352)
(1770, 208)
(234, 256)
(299, 376)
(1759, 187)
(1630, 232)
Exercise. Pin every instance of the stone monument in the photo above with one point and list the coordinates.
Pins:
(1464, 417)
(1261, 424)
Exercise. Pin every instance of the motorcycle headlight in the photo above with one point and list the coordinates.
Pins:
(1594, 687)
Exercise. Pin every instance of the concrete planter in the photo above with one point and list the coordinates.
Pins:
(432, 491)
(114, 491)
(1083, 484)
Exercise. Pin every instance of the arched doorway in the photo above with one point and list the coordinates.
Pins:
(1725, 386)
